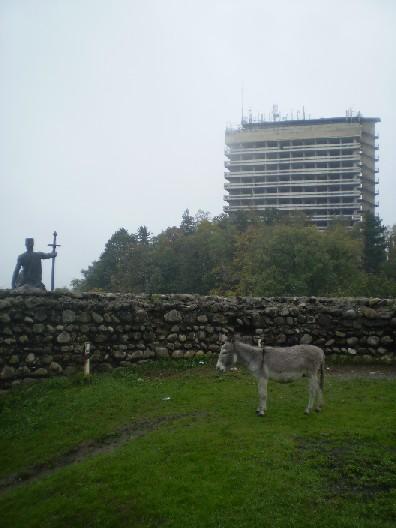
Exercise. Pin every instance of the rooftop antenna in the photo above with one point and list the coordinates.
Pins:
(242, 104)
(275, 113)
(303, 113)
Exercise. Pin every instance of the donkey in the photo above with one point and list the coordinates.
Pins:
(283, 364)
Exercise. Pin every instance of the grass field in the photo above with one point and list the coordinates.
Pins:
(176, 445)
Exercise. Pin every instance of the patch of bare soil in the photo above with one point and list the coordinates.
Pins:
(362, 371)
(350, 466)
(78, 453)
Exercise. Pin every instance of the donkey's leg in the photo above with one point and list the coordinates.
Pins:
(319, 396)
(262, 390)
(320, 376)
(313, 388)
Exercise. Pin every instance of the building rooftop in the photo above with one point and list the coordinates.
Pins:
(254, 124)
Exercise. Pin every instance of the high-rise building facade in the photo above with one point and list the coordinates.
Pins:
(325, 168)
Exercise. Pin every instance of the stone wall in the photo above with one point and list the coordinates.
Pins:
(43, 334)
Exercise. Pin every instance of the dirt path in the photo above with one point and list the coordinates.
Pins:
(78, 453)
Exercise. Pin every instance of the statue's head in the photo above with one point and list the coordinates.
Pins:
(29, 243)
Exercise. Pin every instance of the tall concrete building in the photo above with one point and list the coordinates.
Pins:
(323, 167)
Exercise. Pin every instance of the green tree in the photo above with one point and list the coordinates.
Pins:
(286, 260)
(187, 224)
(165, 275)
(143, 235)
(248, 254)
(100, 273)
(374, 243)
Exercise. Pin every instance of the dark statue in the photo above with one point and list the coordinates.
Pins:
(30, 262)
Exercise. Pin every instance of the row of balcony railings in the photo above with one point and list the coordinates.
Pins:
(296, 161)
(292, 187)
(351, 209)
(292, 155)
(319, 216)
(321, 212)
(293, 148)
(322, 198)
(312, 154)
(296, 171)
(298, 179)
(339, 152)
(272, 191)
(300, 195)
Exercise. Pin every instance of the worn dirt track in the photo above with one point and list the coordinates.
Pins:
(78, 453)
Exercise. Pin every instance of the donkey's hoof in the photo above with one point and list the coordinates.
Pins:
(318, 409)
(260, 414)
(307, 411)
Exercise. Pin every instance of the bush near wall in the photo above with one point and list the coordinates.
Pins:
(43, 334)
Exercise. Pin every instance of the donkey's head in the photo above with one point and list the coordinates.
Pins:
(227, 357)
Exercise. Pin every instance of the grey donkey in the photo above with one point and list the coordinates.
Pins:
(282, 364)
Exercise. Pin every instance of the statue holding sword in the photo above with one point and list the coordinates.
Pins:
(28, 270)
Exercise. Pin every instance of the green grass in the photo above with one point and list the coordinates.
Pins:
(213, 464)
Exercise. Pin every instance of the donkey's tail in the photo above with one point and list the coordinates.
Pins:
(322, 375)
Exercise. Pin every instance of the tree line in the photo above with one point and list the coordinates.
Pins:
(245, 253)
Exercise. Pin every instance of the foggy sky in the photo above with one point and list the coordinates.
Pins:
(112, 112)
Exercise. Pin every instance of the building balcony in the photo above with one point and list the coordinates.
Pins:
(290, 172)
(291, 148)
(265, 162)
(298, 207)
(313, 182)
(293, 195)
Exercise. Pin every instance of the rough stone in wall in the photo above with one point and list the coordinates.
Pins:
(43, 333)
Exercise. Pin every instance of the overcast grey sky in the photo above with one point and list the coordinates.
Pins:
(112, 112)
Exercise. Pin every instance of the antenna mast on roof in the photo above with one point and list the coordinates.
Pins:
(275, 112)
(242, 104)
